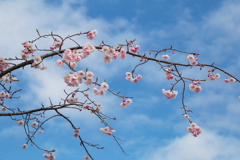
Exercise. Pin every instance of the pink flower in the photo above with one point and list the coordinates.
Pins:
(169, 77)
(217, 76)
(139, 77)
(135, 80)
(111, 51)
(133, 50)
(226, 80)
(34, 124)
(190, 58)
(20, 122)
(94, 32)
(105, 49)
(37, 59)
(86, 94)
(102, 92)
(89, 74)
(232, 80)
(75, 134)
(87, 157)
(137, 47)
(59, 63)
(194, 63)
(189, 129)
(76, 131)
(40, 131)
(123, 51)
(73, 65)
(107, 58)
(52, 47)
(24, 146)
(4, 109)
(186, 116)
(198, 89)
(68, 52)
(104, 86)
(128, 74)
(128, 102)
(165, 57)
(123, 56)
(123, 104)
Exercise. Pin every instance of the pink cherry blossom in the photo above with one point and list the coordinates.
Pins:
(186, 116)
(194, 63)
(87, 157)
(59, 63)
(24, 146)
(4, 109)
(135, 80)
(128, 74)
(190, 58)
(40, 131)
(20, 122)
(37, 59)
(232, 80)
(226, 80)
(139, 77)
(104, 86)
(76, 131)
(133, 50)
(105, 49)
(169, 77)
(107, 58)
(165, 57)
(34, 124)
(198, 89)
(52, 47)
(86, 94)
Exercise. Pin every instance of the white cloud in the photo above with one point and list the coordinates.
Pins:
(207, 146)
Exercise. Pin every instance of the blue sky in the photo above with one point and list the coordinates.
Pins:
(152, 126)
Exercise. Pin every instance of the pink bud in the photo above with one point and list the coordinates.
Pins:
(26, 52)
(109, 133)
(196, 59)
(226, 80)
(33, 55)
(25, 45)
(150, 53)
(52, 47)
(2, 99)
(100, 45)
(141, 59)
(74, 93)
(172, 52)
(199, 82)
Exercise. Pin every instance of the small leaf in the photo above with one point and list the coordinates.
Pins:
(37, 30)
(86, 69)
(134, 39)
(172, 63)
(104, 80)
(53, 150)
(119, 92)
(204, 80)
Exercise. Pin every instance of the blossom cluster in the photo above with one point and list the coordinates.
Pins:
(111, 53)
(170, 94)
(129, 77)
(102, 91)
(192, 59)
(92, 34)
(107, 130)
(56, 45)
(76, 133)
(194, 129)
(28, 49)
(194, 87)
(169, 75)
(126, 103)
(50, 156)
(73, 79)
(213, 76)
(4, 64)
(232, 80)
(4, 95)
(135, 48)
(9, 78)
